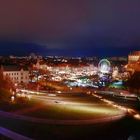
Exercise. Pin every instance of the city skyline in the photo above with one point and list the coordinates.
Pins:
(26, 48)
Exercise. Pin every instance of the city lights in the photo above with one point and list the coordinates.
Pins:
(70, 70)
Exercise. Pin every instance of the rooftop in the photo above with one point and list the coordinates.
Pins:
(13, 68)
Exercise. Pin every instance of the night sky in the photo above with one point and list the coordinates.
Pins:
(69, 27)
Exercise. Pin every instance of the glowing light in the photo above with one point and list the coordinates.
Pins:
(137, 116)
(18, 95)
(29, 97)
(111, 103)
(104, 66)
(131, 111)
(52, 95)
(12, 98)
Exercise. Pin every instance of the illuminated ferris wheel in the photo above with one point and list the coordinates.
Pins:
(104, 66)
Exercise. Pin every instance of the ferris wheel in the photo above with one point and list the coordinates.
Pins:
(104, 66)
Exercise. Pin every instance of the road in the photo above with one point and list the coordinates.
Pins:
(66, 102)
(131, 104)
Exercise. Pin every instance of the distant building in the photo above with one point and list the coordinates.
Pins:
(16, 74)
(133, 62)
(40, 65)
(117, 59)
(134, 57)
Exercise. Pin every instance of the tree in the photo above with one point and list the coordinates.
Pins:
(134, 82)
(5, 85)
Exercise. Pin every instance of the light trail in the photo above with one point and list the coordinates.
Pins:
(94, 113)
(77, 106)
(132, 112)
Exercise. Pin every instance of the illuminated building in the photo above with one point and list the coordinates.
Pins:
(133, 62)
(115, 73)
(16, 74)
(134, 57)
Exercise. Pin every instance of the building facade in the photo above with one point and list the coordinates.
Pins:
(133, 62)
(134, 57)
(16, 74)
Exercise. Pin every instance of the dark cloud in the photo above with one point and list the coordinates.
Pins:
(75, 25)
